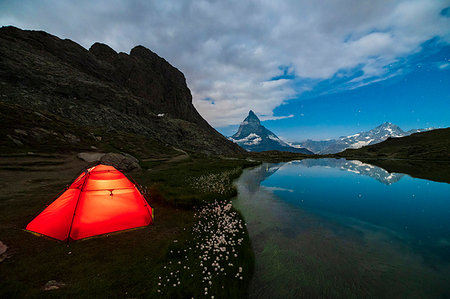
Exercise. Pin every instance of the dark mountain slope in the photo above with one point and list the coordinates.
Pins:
(139, 93)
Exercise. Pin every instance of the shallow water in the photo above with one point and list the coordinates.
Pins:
(343, 229)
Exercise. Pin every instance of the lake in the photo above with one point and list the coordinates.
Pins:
(345, 229)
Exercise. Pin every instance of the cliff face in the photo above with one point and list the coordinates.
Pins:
(140, 93)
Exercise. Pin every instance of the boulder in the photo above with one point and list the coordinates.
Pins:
(90, 157)
(121, 161)
(3, 249)
(53, 285)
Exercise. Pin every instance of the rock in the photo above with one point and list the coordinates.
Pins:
(103, 52)
(41, 133)
(123, 162)
(90, 157)
(16, 141)
(131, 157)
(40, 115)
(21, 132)
(3, 249)
(72, 138)
(53, 285)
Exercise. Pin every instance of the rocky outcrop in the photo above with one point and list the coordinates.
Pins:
(102, 88)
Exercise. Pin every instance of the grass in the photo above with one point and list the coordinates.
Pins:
(126, 264)
(173, 182)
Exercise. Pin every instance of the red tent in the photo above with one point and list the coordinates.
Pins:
(99, 201)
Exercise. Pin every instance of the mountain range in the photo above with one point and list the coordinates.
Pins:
(374, 136)
(254, 137)
(48, 83)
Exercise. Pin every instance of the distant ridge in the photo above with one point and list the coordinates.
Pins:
(254, 137)
(374, 136)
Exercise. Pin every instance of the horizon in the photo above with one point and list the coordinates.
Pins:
(308, 71)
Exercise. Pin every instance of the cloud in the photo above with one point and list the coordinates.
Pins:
(271, 117)
(444, 66)
(231, 51)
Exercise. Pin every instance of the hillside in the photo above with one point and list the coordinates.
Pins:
(430, 145)
(95, 93)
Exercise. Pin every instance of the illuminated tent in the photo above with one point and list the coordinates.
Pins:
(99, 201)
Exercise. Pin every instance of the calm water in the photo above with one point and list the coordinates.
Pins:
(343, 229)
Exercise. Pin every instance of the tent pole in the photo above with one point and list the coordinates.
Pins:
(76, 205)
(138, 187)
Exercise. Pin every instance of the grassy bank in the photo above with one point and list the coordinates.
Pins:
(137, 263)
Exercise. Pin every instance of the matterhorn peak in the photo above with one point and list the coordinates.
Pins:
(253, 136)
(252, 118)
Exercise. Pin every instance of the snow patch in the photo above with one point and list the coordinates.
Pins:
(251, 139)
(360, 144)
(254, 141)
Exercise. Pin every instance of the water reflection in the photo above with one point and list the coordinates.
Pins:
(328, 228)
(355, 166)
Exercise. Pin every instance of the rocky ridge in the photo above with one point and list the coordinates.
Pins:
(138, 93)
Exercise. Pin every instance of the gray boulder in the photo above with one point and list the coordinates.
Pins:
(121, 161)
(90, 157)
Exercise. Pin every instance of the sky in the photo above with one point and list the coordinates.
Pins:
(308, 69)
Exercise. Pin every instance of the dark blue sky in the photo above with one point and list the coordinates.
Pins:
(417, 98)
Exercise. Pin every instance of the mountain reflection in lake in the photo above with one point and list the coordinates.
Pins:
(339, 229)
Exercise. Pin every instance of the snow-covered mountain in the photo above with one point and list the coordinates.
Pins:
(377, 135)
(254, 137)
